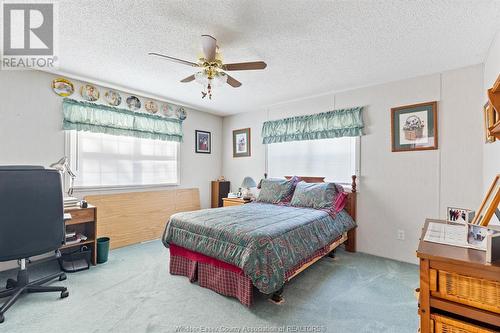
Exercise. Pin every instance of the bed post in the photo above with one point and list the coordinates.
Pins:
(350, 244)
(260, 181)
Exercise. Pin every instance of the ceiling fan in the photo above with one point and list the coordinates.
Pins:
(212, 71)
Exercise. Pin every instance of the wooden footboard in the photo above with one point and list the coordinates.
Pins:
(331, 248)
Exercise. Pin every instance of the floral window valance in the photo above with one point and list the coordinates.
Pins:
(332, 124)
(85, 116)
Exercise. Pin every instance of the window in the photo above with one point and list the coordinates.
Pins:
(336, 159)
(103, 160)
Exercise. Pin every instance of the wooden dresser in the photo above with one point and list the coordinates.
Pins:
(459, 291)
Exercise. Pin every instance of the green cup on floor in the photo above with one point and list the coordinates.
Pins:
(102, 249)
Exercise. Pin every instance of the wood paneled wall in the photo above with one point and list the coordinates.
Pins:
(134, 217)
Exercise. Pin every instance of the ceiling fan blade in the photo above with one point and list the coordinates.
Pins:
(208, 44)
(245, 66)
(188, 79)
(233, 82)
(180, 61)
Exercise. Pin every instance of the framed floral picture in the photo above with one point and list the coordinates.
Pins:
(414, 127)
(241, 143)
(203, 142)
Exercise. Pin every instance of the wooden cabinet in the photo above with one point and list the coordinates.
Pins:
(220, 189)
(234, 201)
(83, 220)
(459, 290)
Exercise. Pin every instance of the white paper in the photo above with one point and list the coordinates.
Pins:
(450, 234)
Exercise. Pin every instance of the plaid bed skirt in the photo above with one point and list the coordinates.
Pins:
(218, 279)
(221, 277)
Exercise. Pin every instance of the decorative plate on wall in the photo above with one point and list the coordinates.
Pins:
(167, 110)
(151, 107)
(133, 103)
(181, 113)
(63, 87)
(89, 93)
(113, 97)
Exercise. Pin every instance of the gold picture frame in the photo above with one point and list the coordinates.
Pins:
(490, 118)
(489, 204)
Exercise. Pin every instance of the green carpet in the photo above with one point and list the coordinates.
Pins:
(133, 292)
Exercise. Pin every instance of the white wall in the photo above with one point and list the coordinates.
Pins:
(491, 151)
(31, 130)
(397, 190)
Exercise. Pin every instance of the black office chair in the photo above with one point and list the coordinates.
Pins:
(31, 223)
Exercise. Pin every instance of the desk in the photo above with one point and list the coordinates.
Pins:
(83, 220)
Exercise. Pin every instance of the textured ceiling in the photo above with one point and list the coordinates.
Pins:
(311, 47)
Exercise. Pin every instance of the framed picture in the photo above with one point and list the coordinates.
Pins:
(414, 127)
(477, 236)
(490, 118)
(203, 142)
(489, 205)
(459, 215)
(241, 142)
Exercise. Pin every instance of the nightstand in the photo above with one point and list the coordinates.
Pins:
(234, 202)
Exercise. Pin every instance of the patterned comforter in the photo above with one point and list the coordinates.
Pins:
(264, 240)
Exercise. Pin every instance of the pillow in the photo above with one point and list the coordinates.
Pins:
(275, 190)
(286, 200)
(325, 196)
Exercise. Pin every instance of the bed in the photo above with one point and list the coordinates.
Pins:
(234, 250)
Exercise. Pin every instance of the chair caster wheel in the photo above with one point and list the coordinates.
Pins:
(64, 294)
(2, 319)
(10, 284)
(62, 277)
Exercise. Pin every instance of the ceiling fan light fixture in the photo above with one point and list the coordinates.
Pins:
(211, 67)
(215, 79)
(219, 79)
(201, 78)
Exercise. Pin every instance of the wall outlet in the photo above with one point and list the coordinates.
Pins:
(401, 234)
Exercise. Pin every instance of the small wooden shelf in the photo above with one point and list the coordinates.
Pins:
(83, 220)
(88, 241)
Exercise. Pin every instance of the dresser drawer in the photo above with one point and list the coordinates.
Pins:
(81, 215)
(231, 203)
(479, 293)
(443, 324)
